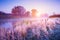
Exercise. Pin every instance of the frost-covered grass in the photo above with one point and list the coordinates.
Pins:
(43, 29)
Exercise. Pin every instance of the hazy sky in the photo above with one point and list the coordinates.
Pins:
(44, 6)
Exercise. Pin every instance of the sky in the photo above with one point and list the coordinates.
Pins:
(43, 6)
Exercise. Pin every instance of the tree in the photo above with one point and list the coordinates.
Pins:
(34, 11)
(27, 14)
(18, 10)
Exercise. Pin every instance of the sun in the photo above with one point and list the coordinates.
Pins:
(38, 14)
(42, 14)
